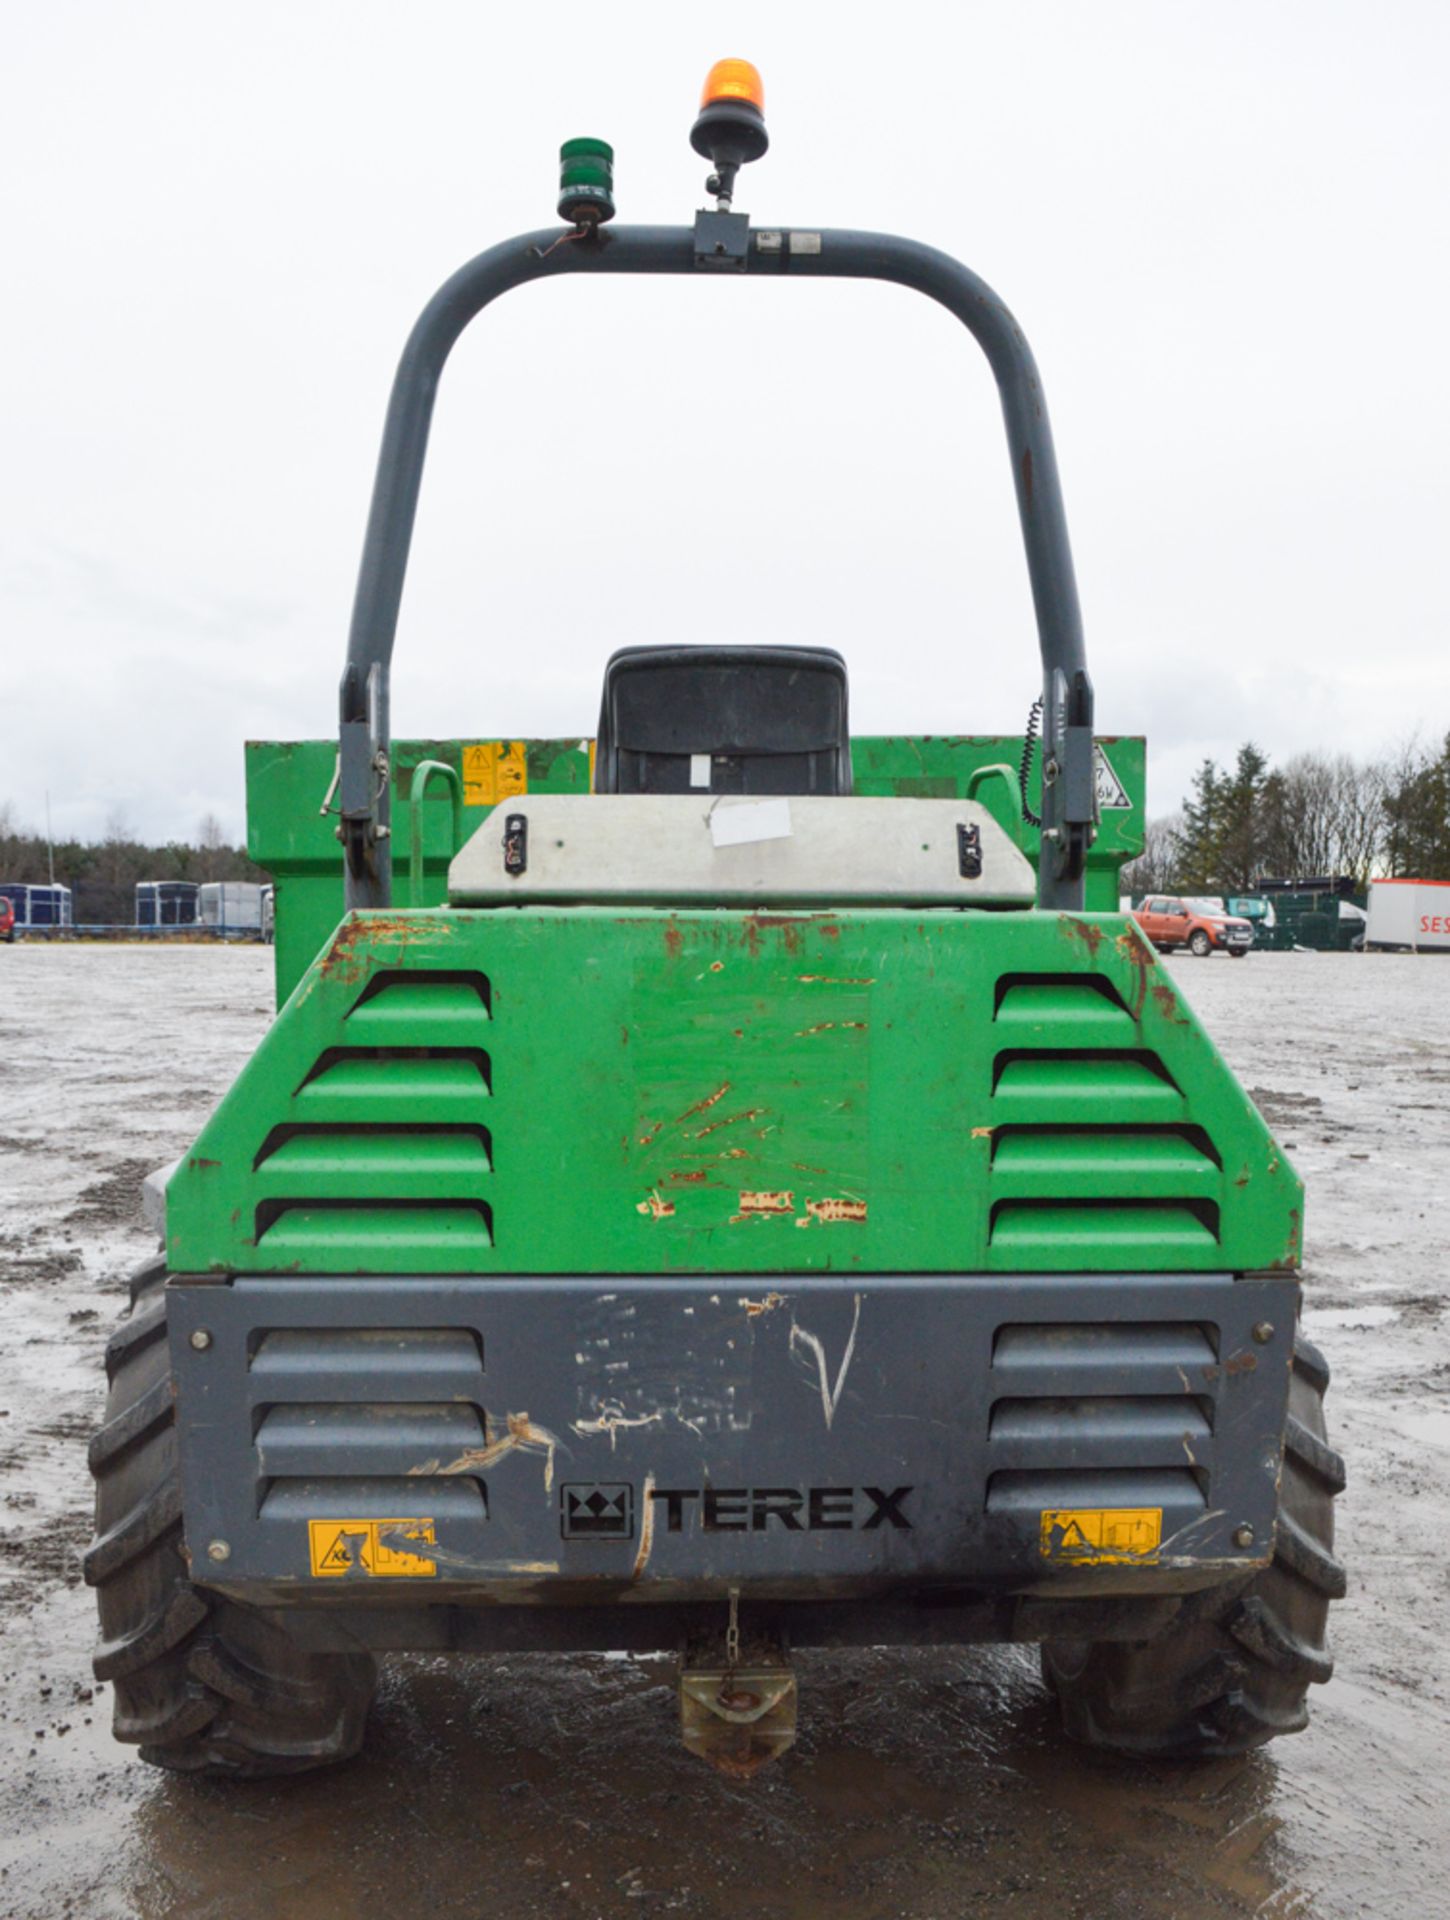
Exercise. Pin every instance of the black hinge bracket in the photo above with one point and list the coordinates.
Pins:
(722, 240)
(969, 851)
(516, 844)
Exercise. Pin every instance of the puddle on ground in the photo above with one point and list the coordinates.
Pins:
(1319, 1318)
(1431, 1425)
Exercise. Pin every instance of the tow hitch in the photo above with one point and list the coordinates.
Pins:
(737, 1706)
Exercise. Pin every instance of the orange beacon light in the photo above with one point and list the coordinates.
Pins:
(730, 129)
(734, 80)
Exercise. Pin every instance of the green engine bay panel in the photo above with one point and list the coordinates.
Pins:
(580, 1090)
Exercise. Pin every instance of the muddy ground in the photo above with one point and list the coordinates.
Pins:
(924, 1784)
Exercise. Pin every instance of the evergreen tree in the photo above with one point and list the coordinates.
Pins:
(1417, 815)
(1233, 824)
(1250, 806)
(1198, 837)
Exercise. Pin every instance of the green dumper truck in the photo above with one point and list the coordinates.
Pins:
(717, 1183)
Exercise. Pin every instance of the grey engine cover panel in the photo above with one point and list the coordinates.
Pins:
(735, 1431)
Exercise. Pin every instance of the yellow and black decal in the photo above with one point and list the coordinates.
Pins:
(1101, 1536)
(370, 1549)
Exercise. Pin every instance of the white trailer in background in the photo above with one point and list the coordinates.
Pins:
(38, 907)
(1409, 913)
(231, 907)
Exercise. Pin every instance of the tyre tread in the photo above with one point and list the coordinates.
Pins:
(1304, 1557)
(1235, 1669)
(1310, 1364)
(1314, 1455)
(137, 1332)
(153, 1409)
(200, 1684)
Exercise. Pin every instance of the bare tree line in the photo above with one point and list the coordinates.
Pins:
(1319, 814)
(102, 874)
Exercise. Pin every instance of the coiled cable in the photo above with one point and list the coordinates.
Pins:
(1024, 766)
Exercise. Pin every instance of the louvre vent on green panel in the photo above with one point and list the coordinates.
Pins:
(354, 1236)
(1093, 1228)
(1065, 1152)
(1055, 1085)
(444, 1010)
(346, 1163)
(1082, 1010)
(1099, 1162)
(386, 1083)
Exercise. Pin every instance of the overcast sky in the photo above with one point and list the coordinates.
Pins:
(1223, 227)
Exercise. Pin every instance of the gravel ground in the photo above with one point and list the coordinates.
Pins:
(924, 1784)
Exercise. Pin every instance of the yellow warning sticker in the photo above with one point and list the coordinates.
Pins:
(494, 770)
(371, 1549)
(1101, 1536)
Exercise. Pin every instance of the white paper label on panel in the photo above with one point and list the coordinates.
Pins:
(750, 820)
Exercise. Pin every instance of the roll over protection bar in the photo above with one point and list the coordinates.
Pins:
(718, 241)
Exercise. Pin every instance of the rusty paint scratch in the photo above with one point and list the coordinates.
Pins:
(782, 1202)
(354, 944)
(1140, 956)
(829, 1211)
(646, 1527)
(704, 1106)
(830, 1395)
(612, 1419)
(828, 1026)
(656, 1206)
(520, 1435)
(463, 1565)
(834, 980)
(1087, 931)
(754, 1308)
(730, 1120)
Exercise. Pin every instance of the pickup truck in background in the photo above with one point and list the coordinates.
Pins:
(1203, 926)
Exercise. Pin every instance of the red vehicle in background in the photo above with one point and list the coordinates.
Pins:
(7, 918)
(1203, 926)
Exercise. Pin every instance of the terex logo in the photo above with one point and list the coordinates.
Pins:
(797, 1509)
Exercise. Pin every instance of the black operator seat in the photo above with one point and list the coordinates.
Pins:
(724, 720)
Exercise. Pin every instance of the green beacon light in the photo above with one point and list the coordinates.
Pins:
(586, 181)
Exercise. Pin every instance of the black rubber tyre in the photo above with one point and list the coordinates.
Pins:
(201, 1685)
(1199, 944)
(1234, 1668)
(1237, 953)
